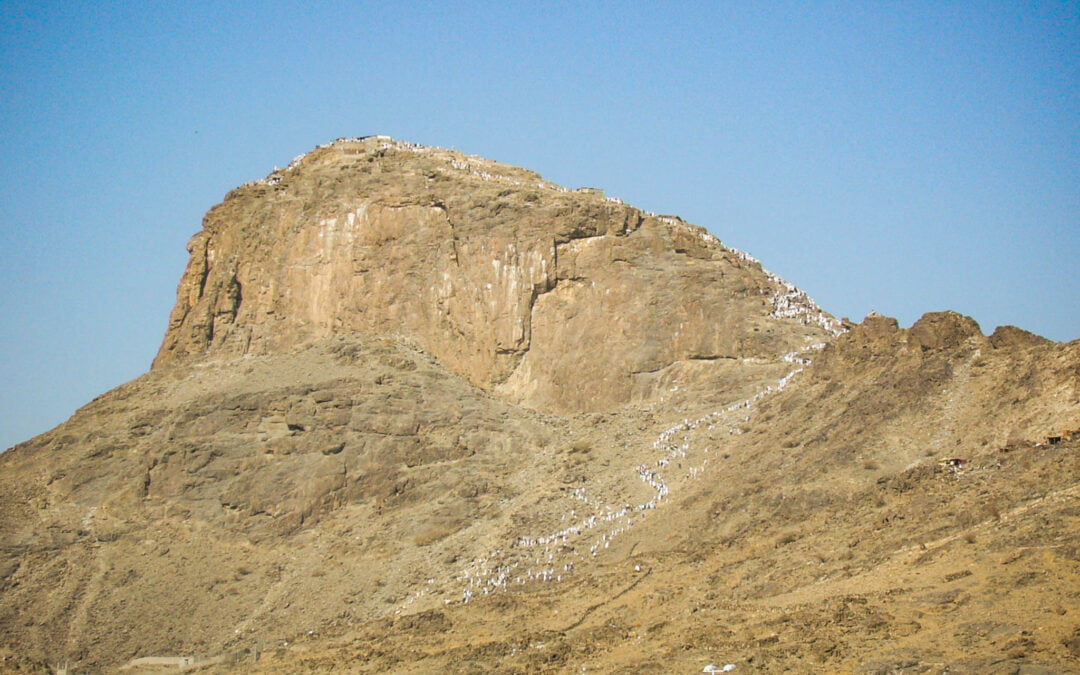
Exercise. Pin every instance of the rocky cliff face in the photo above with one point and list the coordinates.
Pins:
(562, 300)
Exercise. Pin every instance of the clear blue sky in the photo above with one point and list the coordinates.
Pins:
(902, 157)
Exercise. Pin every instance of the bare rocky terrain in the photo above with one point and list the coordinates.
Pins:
(417, 411)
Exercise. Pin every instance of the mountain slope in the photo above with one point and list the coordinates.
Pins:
(820, 537)
(419, 410)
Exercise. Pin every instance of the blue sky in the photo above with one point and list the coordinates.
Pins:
(902, 157)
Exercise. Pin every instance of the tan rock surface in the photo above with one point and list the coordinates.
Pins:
(560, 300)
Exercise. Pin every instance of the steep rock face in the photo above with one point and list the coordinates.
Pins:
(561, 300)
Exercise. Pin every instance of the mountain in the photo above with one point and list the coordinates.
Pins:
(558, 300)
(418, 410)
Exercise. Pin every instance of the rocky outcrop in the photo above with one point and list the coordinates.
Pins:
(944, 368)
(563, 300)
(1011, 336)
(943, 330)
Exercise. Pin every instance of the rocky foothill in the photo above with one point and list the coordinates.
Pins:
(418, 411)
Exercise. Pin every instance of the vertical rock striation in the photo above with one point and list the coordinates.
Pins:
(562, 300)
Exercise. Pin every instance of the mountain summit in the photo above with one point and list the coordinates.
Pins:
(420, 411)
(561, 300)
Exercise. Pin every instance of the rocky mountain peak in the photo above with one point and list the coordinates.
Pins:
(559, 299)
